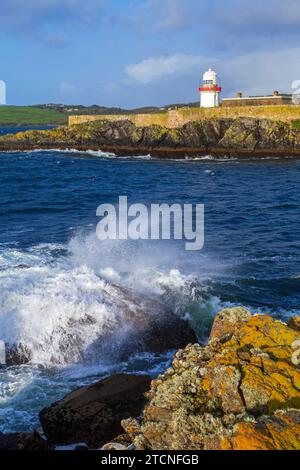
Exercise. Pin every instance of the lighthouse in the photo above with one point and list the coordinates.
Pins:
(210, 90)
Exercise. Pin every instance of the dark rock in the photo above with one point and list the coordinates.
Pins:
(22, 441)
(294, 323)
(149, 325)
(22, 266)
(93, 414)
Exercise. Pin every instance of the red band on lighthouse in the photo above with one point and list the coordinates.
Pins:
(210, 88)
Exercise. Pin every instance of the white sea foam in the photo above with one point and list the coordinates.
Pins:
(59, 305)
(60, 299)
(94, 153)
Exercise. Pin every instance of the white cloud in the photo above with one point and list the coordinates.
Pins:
(251, 73)
(262, 72)
(156, 68)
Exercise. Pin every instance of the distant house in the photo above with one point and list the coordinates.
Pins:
(273, 100)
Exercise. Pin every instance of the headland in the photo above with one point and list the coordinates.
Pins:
(247, 132)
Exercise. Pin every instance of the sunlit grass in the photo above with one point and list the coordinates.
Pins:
(23, 115)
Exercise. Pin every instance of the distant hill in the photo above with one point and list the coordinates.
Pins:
(96, 109)
(44, 114)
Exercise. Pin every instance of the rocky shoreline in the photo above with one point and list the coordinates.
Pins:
(230, 138)
(240, 391)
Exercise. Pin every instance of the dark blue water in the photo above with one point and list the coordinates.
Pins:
(252, 213)
(15, 130)
(251, 255)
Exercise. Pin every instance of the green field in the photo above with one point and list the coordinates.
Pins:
(29, 115)
(296, 124)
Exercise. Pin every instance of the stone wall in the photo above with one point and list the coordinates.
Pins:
(178, 117)
(140, 120)
(261, 101)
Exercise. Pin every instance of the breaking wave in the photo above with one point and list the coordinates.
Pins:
(92, 153)
(60, 301)
(69, 305)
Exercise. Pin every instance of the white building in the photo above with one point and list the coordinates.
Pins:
(210, 90)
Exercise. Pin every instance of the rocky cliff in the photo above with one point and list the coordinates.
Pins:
(220, 137)
(241, 391)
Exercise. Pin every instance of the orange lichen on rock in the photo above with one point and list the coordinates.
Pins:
(281, 431)
(228, 321)
(240, 391)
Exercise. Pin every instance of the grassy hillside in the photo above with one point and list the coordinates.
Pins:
(296, 124)
(23, 115)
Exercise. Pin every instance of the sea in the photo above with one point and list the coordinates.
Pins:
(55, 273)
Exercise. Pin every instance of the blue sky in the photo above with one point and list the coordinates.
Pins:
(145, 52)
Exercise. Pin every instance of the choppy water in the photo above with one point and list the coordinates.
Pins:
(47, 215)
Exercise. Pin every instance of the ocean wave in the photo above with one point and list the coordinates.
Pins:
(64, 304)
(93, 153)
(58, 299)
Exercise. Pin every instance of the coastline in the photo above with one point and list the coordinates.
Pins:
(241, 138)
(163, 153)
(237, 392)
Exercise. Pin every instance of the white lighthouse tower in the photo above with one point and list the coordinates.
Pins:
(210, 90)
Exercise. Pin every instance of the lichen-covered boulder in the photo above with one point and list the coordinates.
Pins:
(240, 391)
(228, 321)
(279, 431)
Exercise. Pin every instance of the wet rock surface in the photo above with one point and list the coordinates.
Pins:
(240, 391)
(93, 414)
(17, 354)
(22, 441)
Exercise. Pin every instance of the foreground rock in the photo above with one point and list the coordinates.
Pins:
(220, 137)
(93, 414)
(22, 441)
(240, 391)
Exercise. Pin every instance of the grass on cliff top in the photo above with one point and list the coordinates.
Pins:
(29, 115)
(296, 124)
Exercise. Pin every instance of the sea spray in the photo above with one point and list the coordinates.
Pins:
(68, 308)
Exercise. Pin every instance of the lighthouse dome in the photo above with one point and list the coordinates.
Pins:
(210, 76)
